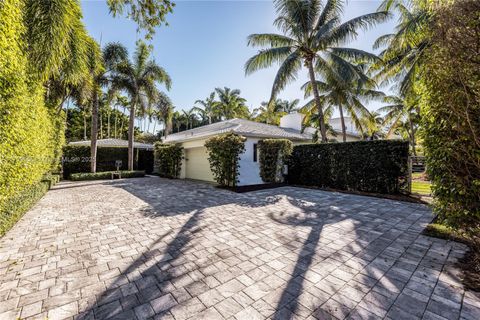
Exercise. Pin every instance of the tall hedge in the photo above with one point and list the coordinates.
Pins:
(224, 156)
(76, 159)
(31, 134)
(450, 104)
(273, 155)
(371, 166)
(168, 158)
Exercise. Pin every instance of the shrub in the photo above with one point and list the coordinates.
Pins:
(224, 156)
(30, 133)
(76, 159)
(273, 155)
(168, 158)
(15, 207)
(105, 175)
(450, 105)
(371, 166)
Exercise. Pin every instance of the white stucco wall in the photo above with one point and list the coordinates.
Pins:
(249, 172)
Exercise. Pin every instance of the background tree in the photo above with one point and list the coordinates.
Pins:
(230, 104)
(208, 108)
(402, 116)
(346, 94)
(138, 78)
(164, 111)
(311, 34)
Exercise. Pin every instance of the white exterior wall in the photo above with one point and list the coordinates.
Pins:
(249, 171)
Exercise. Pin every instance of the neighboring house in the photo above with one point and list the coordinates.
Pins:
(352, 133)
(195, 164)
(113, 143)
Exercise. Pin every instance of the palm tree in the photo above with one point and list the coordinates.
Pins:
(311, 33)
(138, 78)
(177, 120)
(101, 65)
(401, 113)
(373, 124)
(269, 112)
(345, 94)
(209, 108)
(164, 112)
(404, 50)
(290, 106)
(230, 105)
(190, 117)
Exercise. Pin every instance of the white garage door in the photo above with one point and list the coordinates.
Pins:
(197, 165)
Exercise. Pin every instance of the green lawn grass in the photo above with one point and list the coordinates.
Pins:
(421, 187)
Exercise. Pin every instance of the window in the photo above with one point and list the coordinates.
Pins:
(255, 152)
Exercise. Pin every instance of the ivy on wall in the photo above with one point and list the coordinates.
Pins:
(168, 158)
(224, 157)
(273, 156)
(31, 134)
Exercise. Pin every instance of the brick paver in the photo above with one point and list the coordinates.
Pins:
(152, 248)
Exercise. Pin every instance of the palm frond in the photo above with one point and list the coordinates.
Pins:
(269, 39)
(286, 73)
(265, 58)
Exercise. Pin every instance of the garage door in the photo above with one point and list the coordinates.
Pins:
(197, 165)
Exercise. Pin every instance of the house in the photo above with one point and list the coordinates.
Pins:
(351, 130)
(195, 164)
(113, 143)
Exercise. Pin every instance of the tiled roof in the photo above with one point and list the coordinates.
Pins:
(113, 143)
(240, 126)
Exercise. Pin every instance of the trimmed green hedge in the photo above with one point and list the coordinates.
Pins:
(273, 156)
(371, 166)
(16, 206)
(224, 157)
(105, 175)
(76, 159)
(168, 158)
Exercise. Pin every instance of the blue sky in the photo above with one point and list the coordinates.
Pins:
(205, 45)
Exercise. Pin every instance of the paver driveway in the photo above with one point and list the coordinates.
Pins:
(150, 247)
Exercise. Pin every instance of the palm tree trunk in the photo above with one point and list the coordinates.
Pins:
(342, 120)
(101, 126)
(154, 125)
(115, 124)
(108, 124)
(84, 125)
(321, 117)
(94, 133)
(412, 135)
(131, 126)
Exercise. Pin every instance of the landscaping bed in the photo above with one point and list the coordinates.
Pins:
(106, 175)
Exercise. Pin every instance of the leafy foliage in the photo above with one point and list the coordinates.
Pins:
(77, 159)
(168, 158)
(148, 14)
(31, 134)
(371, 166)
(224, 155)
(273, 155)
(105, 175)
(450, 104)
